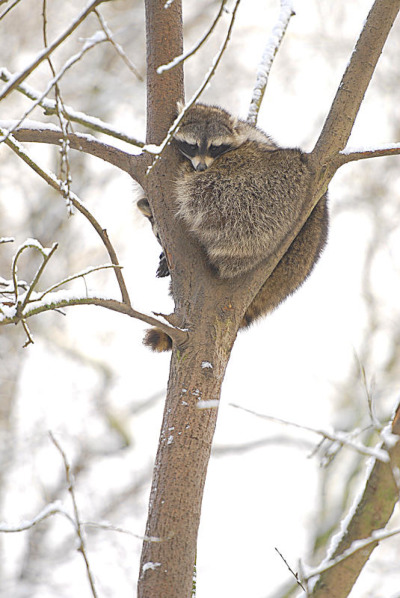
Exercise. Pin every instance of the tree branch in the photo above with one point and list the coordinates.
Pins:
(350, 155)
(91, 122)
(59, 301)
(340, 120)
(372, 513)
(273, 44)
(46, 52)
(36, 132)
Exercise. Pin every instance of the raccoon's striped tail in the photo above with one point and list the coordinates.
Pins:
(157, 340)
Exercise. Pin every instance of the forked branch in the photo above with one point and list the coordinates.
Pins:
(340, 120)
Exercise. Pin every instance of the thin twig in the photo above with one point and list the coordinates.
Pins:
(295, 575)
(48, 51)
(56, 184)
(186, 55)
(48, 511)
(339, 437)
(65, 125)
(119, 49)
(115, 528)
(91, 122)
(78, 525)
(270, 51)
(376, 537)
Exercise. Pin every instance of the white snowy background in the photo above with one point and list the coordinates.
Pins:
(90, 381)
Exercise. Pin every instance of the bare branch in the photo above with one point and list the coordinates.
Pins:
(343, 439)
(91, 122)
(78, 525)
(117, 47)
(48, 511)
(57, 185)
(36, 132)
(48, 51)
(270, 51)
(183, 57)
(340, 120)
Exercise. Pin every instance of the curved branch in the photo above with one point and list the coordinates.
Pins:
(179, 336)
(340, 120)
(75, 201)
(36, 132)
(178, 59)
(91, 122)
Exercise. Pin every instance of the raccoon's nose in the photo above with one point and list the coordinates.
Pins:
(201, 166)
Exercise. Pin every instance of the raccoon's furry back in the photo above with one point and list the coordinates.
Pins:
(242, 206)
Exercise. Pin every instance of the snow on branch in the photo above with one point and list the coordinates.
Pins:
(270, 51)
(91, 122)
(341, 438)
(46, 52)
(54, 182)
(356, 546)
(178, 59)
(77, 519)
(355, 81)
(15, 311)
(119, 49)
(350, 154)
(49, 510)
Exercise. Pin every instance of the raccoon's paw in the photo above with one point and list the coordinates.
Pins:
(157, 340)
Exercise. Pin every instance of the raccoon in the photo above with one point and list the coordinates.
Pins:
(237, 191)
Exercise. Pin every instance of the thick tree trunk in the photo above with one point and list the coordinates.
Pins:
(179, 476)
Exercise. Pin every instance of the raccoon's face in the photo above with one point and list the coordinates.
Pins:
(205, 134)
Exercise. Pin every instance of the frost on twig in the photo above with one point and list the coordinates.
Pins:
(52, 180)
(46, 52)
(91, 122)
(270, 51)
(178, 59)
(53, 82)
(49, 510)
(77, 520)
(19, 299)
(363, 528)
(341, 438)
